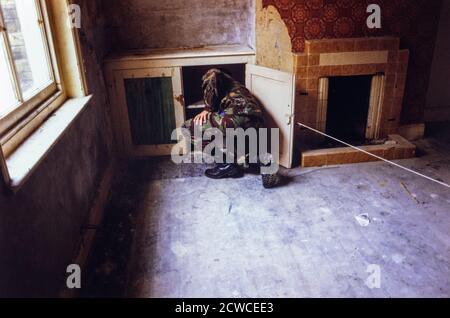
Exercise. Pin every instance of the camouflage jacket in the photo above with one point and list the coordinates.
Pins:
(229, 98)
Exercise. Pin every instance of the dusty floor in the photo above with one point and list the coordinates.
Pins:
(170, 232)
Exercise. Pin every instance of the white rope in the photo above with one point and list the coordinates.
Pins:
(378, 157)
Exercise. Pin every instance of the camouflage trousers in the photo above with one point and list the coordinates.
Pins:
(222, 123)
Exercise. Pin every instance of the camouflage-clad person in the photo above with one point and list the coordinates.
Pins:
(229, 104)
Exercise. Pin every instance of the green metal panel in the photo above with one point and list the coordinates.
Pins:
(151, 110)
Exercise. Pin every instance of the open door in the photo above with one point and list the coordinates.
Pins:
(275, 90)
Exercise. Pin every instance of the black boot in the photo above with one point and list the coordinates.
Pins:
(224, 170)
(269, 180)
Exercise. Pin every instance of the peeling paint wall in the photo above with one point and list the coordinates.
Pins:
(137, 24)
(40, 225)
(273, 44)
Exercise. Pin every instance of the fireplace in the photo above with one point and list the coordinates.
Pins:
(348, 107)
(350, 88)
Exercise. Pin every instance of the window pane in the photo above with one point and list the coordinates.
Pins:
(27, 44)
(7, 95)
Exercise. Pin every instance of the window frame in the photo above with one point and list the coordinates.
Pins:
(26, 116)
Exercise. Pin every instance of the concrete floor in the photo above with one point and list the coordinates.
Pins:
(189, 236)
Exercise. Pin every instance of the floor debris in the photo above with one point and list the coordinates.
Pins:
(398, 259)
(412, 195)
(363, 219)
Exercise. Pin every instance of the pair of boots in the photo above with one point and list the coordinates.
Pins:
(233, 170)
(224, 170)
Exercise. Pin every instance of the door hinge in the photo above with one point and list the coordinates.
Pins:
(289, 119)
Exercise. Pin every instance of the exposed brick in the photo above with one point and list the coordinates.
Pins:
(345, 45)
(312, 84)
(314, 161)
(302, 72)
(392, 56)
(301, 60)
(313, 59)
(313, 71)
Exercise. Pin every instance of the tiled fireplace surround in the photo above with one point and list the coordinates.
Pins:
(347, 57)
(378, 56)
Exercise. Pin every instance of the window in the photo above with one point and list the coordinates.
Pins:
(43, 86)
(27, 70)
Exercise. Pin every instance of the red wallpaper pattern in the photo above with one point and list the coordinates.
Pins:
(415, 22)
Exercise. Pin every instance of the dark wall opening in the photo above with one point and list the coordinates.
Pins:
(192, 83)
(348, 107)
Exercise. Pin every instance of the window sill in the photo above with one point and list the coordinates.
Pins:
(27, 157)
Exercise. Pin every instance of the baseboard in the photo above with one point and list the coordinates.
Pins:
(396, 148)
(94, 219)
(412, 132)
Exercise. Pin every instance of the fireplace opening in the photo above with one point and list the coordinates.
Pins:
(348, 107)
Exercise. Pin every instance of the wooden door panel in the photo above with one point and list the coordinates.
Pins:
(275, 90)
(149, 109)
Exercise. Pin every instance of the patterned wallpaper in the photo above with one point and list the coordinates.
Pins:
(414, 21)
